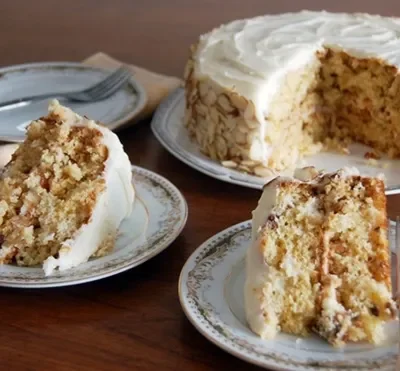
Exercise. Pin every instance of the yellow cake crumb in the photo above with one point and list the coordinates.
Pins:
(49, 188)
(325, 245)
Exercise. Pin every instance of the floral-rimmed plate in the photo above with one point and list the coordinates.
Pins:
(167, 126)
(158, 217)
(211, 295)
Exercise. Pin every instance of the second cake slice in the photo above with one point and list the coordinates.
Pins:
(319, 259)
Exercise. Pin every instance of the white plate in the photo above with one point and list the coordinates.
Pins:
(211, 294)
(37, 78)
(159, 215)
(167, 126)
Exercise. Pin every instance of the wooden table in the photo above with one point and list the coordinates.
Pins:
(133, 320)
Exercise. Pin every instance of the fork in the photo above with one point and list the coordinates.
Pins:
(101, 90)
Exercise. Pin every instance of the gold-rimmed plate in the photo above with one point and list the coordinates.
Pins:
(211, 293)
(158, 217)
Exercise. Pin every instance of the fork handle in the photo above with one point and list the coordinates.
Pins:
(24, 101)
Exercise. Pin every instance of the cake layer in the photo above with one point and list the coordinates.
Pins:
(64, 193)
(319, 259)
(261, 93)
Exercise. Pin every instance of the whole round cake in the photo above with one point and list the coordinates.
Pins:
(262, 93)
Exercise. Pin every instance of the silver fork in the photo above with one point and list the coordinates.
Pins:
(101, 90)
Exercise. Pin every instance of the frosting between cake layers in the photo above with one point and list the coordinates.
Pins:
(112, 206)
(252, 56)
(257, 270)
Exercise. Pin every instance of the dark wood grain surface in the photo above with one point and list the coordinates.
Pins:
(133, 320)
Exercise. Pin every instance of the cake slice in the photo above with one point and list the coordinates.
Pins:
(64, 193)
(319, 259)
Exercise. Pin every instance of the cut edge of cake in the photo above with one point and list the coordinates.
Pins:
(101, 231)
(315, 263)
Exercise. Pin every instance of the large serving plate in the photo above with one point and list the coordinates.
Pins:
(167, 126)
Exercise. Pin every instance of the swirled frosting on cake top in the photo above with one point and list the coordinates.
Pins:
(251, 55)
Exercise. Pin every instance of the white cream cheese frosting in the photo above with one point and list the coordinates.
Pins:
(257, 270)
(112, 206)
(252, 56)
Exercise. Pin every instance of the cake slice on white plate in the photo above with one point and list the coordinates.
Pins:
(64, 193)
(319, 259)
